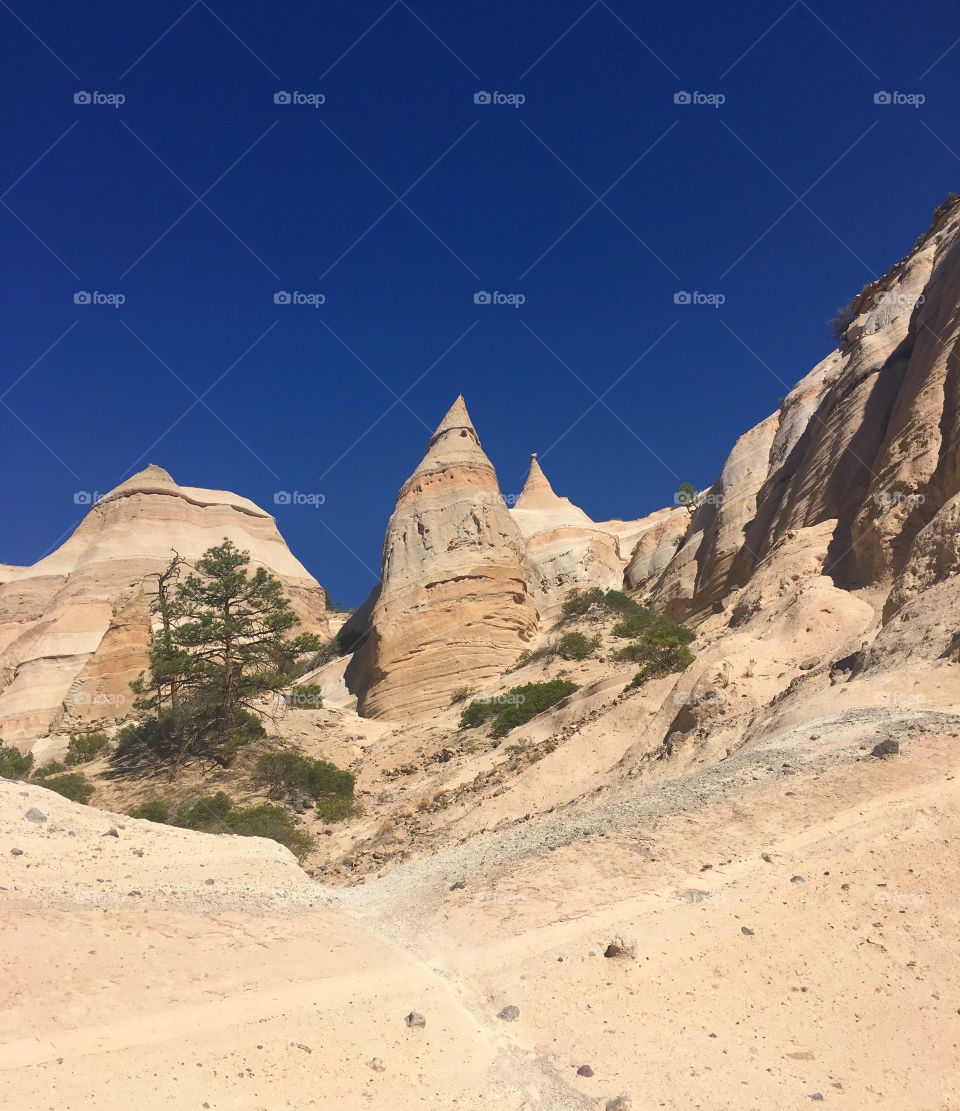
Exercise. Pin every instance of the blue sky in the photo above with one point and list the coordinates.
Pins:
(584, 188)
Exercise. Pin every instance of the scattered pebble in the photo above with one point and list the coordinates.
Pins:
(797, 879)
(16, 852)
(377, 1065)
(509, 1013)
(621, 947)
(746, 931)
(35, 815)
(584, 1070)
(620, 1103)
(415, 1019)
(458, 886)
(112, 832)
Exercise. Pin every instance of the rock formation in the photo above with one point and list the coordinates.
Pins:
(564, 546)
(455, 605)
(74, 628)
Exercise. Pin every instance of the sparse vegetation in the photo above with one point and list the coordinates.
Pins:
(73, 786)
(219, 814)
(577, 646)
(84, 747)
(14, 764)
(53, 767)
(841, 320)
(153, 810)
(461, 694)
(307, 696)
(518, 706)
(687, 496)
(290, 775)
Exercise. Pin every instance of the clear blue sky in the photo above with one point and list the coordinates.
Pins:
(398, 199)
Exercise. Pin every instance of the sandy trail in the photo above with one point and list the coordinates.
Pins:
(847, 988)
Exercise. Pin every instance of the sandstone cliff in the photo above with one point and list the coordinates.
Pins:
(74, 628)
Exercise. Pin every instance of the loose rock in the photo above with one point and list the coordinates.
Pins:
(584, 1070)
(16, 852)
(509, 1013)
(886, 748)
(35, 815)
(415, 1019)
(621, 948)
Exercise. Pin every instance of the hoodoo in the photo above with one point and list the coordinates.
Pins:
(75, 627)
(455, 605)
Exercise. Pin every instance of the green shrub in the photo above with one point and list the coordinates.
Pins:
(334, 809)
(153, 810)
(14, 764)
(658, 656)
(517, 706)
(84, 747)
(576, 646)
(206, 814)
(305, 697)
(578, 603)
(54, 767)
(461, 694)
(73, 786)
(289, 773)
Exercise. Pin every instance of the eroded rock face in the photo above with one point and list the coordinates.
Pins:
(456, 604)
(75, 627)
(564, 546)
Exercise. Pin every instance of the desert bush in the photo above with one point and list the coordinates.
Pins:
(153, 810)
(577, 646)
(334, 808)
(52, 767)
(518, 706)
(290, 774)
(578, 603)
(184, 734)
(461, 694)
(305, 697)
(841, 321)
(73, 786)
(657, 656)
(84, 747)
(14, 764)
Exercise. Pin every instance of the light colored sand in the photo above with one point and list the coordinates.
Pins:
(235, 1002)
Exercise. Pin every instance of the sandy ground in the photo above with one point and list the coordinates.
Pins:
(262, 990)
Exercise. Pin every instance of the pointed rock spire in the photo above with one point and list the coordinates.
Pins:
(455, 605)
(538, 496)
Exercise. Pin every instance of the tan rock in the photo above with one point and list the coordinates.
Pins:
(456, 605)
(74, 627)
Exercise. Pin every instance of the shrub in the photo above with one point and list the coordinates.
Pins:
(182, 735)
(272, 822)
(461, 694)
(84, 747)
(576, 646)
(686, 496)
(305, 697)
(153, 810)
(206, 814)
(334, 809)
(290, 773)
(841, 321)
(14, 764)
(517, 706)
(54, 767)
(73, 786)
(658, 656)
(578, 603)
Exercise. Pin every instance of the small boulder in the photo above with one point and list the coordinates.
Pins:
(415, 1019)
(746, 931)
(808, 663)
(16, 852)
(111, 832)
(797, 879)
(886, 748)
(509, 1013)
(35, 815)
(584, 1070)
(458, 885)
(621, 948)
